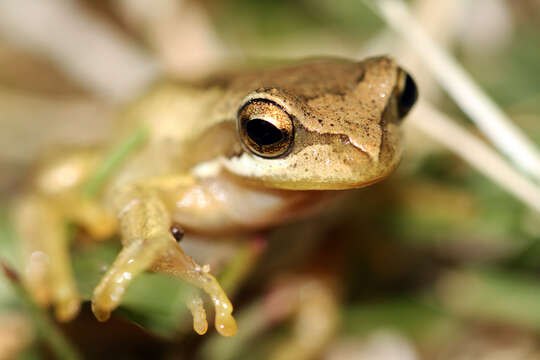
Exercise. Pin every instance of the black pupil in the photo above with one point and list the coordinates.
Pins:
(408, 97)
(262, 132)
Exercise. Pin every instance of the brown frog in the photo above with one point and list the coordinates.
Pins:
(234, 153)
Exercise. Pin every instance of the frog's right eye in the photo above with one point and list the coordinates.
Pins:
(265, 128)
(407, 93)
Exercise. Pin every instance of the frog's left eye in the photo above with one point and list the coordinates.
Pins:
(265, 128)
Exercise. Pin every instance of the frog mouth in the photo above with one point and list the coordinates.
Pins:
(328, 173)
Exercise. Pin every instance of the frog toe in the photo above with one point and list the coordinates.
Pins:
(106, 298)
(196, 307)
(101, 313)
(67, 309)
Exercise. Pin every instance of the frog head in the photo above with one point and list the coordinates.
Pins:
(328, 124)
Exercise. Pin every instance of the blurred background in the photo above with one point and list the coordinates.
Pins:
(436, 262)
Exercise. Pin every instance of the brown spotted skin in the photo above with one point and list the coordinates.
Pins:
(346, 123)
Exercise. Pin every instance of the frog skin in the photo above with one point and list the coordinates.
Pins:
(234, 153)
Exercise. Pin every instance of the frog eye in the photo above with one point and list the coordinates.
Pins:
(265, 128)
(407, 93)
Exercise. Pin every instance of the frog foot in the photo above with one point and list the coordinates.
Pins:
(176, 263)
(141, 255)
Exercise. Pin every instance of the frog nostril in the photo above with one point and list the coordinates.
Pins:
(407, 96)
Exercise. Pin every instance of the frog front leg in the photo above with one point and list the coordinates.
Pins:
(47, 270)
(149, 245)
(40, 215)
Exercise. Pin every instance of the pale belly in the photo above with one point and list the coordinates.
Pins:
(222, 205)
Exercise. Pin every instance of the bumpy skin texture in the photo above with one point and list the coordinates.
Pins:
(342, 124)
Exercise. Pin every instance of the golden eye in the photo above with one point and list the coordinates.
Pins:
(265, 128)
